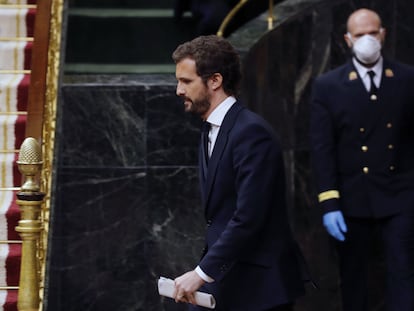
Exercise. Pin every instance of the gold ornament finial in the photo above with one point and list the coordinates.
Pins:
(30, 163)
(30, 152)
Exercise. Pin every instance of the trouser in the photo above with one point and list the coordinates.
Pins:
(397, 234)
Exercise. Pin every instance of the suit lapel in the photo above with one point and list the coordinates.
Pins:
(219, 147)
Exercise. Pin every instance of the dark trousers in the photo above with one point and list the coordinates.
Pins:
(397, 233)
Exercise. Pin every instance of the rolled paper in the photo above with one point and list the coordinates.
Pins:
(166, 287)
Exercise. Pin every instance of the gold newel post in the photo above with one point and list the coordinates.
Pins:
(30, 200)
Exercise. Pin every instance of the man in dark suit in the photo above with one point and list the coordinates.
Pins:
(362, 136)
(251, 261)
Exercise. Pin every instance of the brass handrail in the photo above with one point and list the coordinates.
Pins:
(270, 17)
(230, 16)
(236, 9)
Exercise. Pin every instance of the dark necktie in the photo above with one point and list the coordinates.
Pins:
(373, 88)
(205, 129)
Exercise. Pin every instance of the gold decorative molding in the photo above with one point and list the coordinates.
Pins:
(48, 131)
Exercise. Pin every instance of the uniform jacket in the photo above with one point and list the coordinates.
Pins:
(364, 148)
(250, 252)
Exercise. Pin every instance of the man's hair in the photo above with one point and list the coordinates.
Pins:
(212, 54)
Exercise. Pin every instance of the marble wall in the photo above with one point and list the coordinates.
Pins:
(126, 209)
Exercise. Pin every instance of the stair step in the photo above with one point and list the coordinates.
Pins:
(124, 36)
(86, 68)
(9, 28)
(122, 3)
(15, 55)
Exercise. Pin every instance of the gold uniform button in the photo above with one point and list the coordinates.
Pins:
(390, 146)
(392, 168)
(389, 125)
(373, 97)
(364, 148)
(362, 130)
(365, 170)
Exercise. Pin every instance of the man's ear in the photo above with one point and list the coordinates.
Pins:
(383, 33)
(216, 81)
(348, 39)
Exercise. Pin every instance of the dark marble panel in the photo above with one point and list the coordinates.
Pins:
(116, 231)
(120, 122)
(173, 135)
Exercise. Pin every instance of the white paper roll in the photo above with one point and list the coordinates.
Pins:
(166, 288)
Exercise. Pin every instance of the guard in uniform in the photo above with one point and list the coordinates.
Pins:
(362, 138)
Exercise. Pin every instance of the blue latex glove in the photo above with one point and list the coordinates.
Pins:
(335, 224)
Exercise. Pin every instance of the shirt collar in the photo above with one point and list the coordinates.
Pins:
(362, 71)
(216, 117)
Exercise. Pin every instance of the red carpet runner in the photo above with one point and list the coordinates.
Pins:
(16, 30)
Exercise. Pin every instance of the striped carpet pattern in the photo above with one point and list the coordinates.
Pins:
(16, 38)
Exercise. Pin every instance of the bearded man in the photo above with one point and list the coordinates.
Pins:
(251, 261)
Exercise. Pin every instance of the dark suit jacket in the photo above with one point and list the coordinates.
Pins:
(250, 252)
(362, 148)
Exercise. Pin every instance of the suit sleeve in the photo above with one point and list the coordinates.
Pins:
(257, 162)
(323, 148)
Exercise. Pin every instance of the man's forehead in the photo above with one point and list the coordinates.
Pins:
(364, 20)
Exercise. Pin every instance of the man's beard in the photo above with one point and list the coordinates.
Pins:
(199, 106)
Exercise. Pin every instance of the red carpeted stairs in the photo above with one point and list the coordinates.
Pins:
(16, 35)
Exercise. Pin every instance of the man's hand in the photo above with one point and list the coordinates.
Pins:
(186, 285)
(335, 224)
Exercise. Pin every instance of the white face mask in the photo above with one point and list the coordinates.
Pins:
(367, 49)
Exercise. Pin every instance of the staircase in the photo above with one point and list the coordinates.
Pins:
(129, 36)
(16, 34)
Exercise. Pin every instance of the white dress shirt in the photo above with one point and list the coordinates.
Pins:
(216, 119)
(363, 73)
